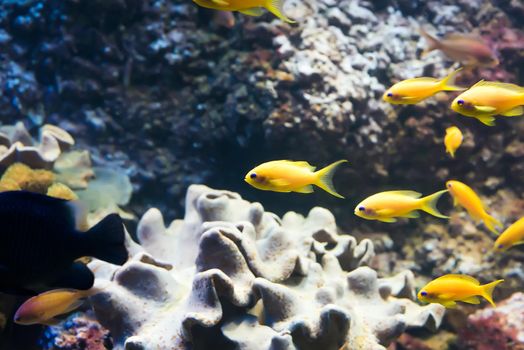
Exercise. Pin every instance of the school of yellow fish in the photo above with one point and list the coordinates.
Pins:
(482, 101)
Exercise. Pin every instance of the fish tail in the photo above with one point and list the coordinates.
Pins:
(433, 43)
(429, 204)
(491, 223)
(107, 240)
(487, 291)
(276, 7)
(325, 178)
(448, 83)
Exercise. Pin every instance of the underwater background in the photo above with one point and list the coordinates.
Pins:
(128, 103)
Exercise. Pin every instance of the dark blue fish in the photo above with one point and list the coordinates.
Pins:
(39, 243)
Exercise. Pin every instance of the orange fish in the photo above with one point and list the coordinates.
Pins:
(470, 49)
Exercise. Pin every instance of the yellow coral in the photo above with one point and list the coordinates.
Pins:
(59, 190)
(18, 173)
(8, 185)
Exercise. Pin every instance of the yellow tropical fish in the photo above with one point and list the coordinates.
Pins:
(486, 99)
(43, 308)
(291, 176)
(453, 140)
(464, 196)
(470, 49)
(247, 7)
(449, 289)
(513, 235)
(386, 206)
(411, 91)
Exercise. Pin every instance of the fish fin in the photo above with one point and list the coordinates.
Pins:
(471, 300)
(485, 109)
(515, 112)
(457, 276)
(433, 43)
(106, 240)
(50, 322)
(407, 193)
(221, 2)
(470, 36)
(255, 11)
(384, 212)
(276, 7)
(412, 215)
(303, 164)
(80, 211)
(325, 178)
(279, 183)
(451, 152)
(487, 291)
(507, 86)
(388, 220)
(491, 223)
(75, 304)
(76, 276)
(429, 204)
(455, 202)
(305, 189)
(448, 83)
(486, 120)
(449, 304)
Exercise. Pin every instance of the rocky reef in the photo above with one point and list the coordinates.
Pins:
(232, 275)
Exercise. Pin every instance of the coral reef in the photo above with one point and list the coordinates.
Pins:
(248, 279)
(79, 331)
(496, 328)
(17, 145)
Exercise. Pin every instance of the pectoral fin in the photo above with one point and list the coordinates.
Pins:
(255, 11)
(515, 112)
(221, 2)
(455, 202)
(471, 300)
(305, 189)
(485, 109)
(279, 183)
(51, 322)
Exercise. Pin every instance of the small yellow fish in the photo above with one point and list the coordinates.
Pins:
(464, 196)
(43, 308)
(513, 235)
(449, 289)
(453, 140)
(291, 176)
(486, 99)
(386, 206)
(412, 91)
(470, 49)
(247, 7)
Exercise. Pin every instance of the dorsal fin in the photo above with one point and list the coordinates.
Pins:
(406, 193)
(507, 86)
(460, 277)
(301, 164)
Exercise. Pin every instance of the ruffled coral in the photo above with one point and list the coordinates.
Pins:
(292, 281)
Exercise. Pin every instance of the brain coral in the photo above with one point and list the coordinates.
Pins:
(232, 276)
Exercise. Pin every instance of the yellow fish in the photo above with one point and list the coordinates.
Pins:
(411, 91)
(247, 7)
(512, 236)
(464, 196)
(386, 206)
(470, 49)
(291, 176)
(43, 308)
(486, 99)
(449, 289)
(453, 140)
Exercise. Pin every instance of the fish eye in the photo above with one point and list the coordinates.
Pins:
(460, 102)
(253, 175)
(390, 94)
(500, 246)
(362, 208)
(424, 294)
(449, 185)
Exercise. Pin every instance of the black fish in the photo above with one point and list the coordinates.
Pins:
(39, 243)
